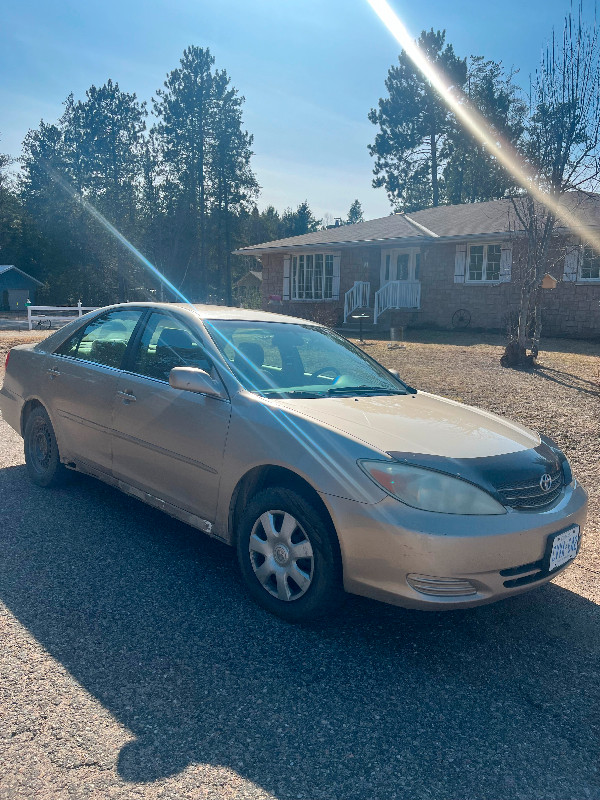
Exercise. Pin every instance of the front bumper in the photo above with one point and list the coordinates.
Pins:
(382, 544)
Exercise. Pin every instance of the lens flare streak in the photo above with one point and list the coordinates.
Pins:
(459, 104)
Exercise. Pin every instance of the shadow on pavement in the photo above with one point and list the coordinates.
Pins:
(151, 619)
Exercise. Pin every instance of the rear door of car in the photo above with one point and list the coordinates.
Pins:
(167, 442)
(80, 385)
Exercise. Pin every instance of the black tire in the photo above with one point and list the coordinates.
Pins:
(323, 593)
(42, 458)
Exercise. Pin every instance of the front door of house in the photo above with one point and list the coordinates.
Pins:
(400, 265)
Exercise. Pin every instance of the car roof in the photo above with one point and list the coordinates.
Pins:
(210, 312)
(203, 312)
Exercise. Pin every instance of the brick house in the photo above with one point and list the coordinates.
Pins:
(447, 266)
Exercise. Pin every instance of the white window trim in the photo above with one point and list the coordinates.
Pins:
(486, 280)
(293, 285)
(580, 279)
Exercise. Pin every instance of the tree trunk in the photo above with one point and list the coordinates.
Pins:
(228, 286)
(537, 332)
(515, 353)
(434, 170)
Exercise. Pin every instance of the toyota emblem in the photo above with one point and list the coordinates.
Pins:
(546, 482)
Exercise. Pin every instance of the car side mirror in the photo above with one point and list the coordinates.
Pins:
(395, 373)
(194, 379)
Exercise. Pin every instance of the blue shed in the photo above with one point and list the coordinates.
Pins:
(16, 287)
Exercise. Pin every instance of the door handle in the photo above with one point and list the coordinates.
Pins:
(127, 397)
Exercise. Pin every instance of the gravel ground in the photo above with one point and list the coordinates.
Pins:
(132, 665)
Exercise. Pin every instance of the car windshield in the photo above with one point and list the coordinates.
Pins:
(278, 358)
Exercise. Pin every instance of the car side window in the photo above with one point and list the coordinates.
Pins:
(104, 339)
(166, 343)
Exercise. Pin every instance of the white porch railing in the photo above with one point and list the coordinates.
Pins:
(63, 316)
(359, 296)
(397, 294)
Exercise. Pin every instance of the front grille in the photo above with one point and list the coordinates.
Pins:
(521, 576)
(530, 494)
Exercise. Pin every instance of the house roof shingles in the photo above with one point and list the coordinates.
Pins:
(469, 219)
(6, 267)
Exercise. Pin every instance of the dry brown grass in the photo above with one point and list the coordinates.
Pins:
(10, 339)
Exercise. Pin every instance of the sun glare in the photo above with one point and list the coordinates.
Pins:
(459, 104)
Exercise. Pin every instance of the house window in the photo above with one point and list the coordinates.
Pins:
(312, 277)
(484, 262)
(590, 264)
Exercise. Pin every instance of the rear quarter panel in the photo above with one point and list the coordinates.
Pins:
(24, 380)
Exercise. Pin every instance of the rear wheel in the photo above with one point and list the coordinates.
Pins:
(288, 556)
(41, 450)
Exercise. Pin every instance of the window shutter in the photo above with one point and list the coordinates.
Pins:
(505, 262)
(572, 263)
(335, 290)
(460, 263)
(286, 277)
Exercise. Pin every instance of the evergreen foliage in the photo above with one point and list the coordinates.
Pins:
(423, 155)
(355, 213)
(414, 124)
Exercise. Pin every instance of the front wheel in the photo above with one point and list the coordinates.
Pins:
(42, 458)
(289, 557)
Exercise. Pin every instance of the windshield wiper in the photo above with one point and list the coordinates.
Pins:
(362, 390)
(292, 393)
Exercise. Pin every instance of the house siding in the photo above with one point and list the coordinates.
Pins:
(571, 309)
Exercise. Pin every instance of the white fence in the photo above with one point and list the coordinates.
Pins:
(397, 294)
(46, 314)
(357, 297)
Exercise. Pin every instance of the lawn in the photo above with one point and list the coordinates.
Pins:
(560, 398)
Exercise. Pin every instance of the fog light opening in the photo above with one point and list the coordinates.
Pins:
(441, 587)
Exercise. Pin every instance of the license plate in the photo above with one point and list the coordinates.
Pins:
(564, 547)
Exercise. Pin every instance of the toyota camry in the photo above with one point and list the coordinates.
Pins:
(324, 470)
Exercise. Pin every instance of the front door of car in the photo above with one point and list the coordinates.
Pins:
(80, 385)
(167, 442)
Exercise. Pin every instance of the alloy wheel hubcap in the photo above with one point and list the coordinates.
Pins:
(281, 555)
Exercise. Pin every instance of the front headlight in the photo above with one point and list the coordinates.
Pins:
(430, 490)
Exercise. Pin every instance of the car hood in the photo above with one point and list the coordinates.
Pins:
(417, 423)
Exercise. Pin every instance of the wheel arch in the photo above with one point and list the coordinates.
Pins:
(28, 407)
(268, 476)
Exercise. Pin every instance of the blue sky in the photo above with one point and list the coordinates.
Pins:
(310, 70)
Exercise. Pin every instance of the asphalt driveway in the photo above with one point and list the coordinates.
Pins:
(134, 666)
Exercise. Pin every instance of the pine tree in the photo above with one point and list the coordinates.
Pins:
(232, 180)
(471, 174)
(355, 213)
(185, 109)
(104, 137)
(302, 220)
(413, 125)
